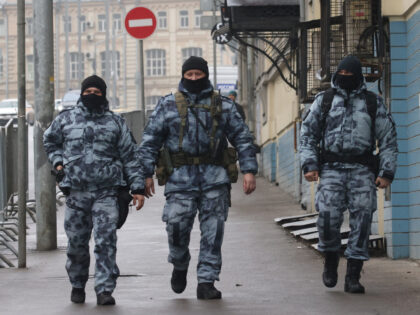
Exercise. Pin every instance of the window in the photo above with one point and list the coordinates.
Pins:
(1, 64)
(67, 23)
(114, 60)
(151, 101)
(101, 22)
(198, 15)
(162, 22)
(184, 19)
(74, 64)
(156, 62)
(82, 22)
(29, 26)
(116, 22)
(2, 28)
(30, 69)
(191, 51)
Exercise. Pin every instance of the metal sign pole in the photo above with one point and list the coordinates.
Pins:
(22, 135)
(214, 51)
(141, 70)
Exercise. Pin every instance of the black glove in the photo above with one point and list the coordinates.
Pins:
(124, 199)
(59, 175)
(65, 190)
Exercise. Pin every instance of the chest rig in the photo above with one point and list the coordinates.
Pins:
(167, 161)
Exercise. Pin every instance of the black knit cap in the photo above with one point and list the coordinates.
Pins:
(352, 64)
(94, 81)
(196, 63)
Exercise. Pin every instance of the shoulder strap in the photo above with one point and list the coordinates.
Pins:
(215, 112)
(182, 106)
(371, 104)
(327, 99)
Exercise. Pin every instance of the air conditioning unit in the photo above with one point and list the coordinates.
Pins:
(88, 55)
(90, 24)
(90, 38)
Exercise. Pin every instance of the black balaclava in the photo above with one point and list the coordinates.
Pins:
(196, 63)
(93, 101)
(349, 82)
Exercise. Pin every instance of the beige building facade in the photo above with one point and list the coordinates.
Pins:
(78, 54)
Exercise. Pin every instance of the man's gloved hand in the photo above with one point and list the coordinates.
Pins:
(65, 190)
(59, 175)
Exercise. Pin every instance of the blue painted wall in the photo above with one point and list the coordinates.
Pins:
(402, 214)
(268, 153)
(280, 162)
(288, 163)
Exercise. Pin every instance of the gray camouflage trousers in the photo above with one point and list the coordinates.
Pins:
(86, 210)
(339, 190)
(179, 214)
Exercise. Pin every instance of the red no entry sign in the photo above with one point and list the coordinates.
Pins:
(140, 22)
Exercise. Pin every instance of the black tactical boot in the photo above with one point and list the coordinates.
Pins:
(105, 298)
(352, 284)
(329, 276)
(78, 295)
(207, 291)
(179, 280)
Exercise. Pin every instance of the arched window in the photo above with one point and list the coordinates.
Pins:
(191, 51)
(156, 62)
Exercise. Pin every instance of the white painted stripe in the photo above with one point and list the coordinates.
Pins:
(140, 23)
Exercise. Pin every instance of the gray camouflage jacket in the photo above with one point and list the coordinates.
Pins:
(163, 129)
(96, 149)
(348, 132)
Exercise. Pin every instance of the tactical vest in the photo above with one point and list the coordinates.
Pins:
(368, 158)
(168, 161)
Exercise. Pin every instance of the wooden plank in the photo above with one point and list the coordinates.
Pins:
(310, 237)
(300, 223)
(304, 231)
(281, 220)
(372, 238)
(315, 236)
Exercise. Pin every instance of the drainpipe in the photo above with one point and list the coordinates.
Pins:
(6, 22)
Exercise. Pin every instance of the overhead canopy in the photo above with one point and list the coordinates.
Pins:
(236, 3)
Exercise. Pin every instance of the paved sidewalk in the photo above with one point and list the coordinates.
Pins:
(265, 271)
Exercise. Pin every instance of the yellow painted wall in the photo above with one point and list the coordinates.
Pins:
(282, 108)
(312, 11)
(399, 8)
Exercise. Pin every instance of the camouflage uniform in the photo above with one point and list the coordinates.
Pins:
(204, 187)
(344, 186)
(99, 154)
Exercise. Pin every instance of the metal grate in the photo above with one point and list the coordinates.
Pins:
(313, 62)
(336, 8)
(279, 47)
(358, 21)
(362, 35)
